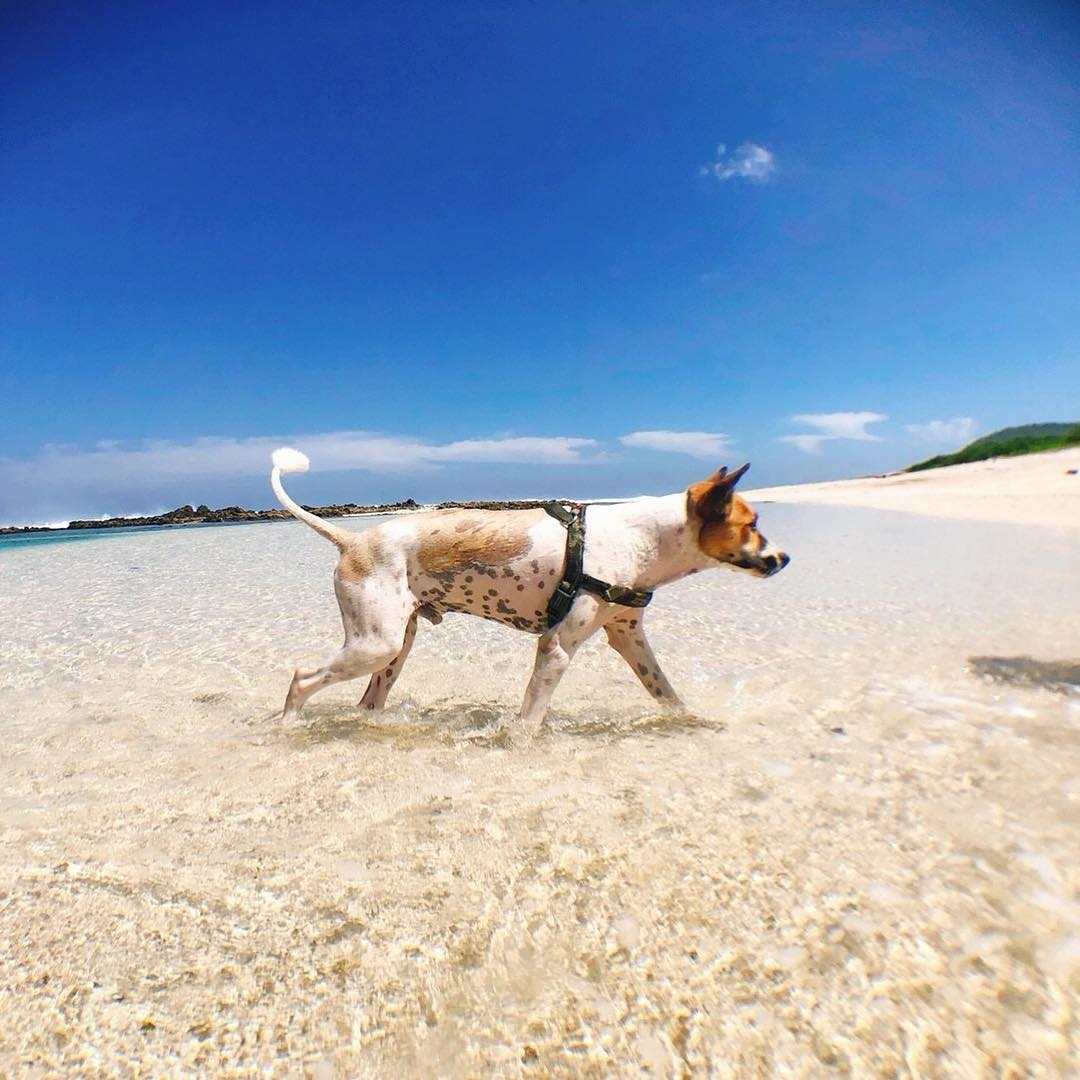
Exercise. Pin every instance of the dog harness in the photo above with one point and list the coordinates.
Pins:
(574, 578)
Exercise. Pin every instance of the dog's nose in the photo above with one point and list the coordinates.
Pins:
(773, 564)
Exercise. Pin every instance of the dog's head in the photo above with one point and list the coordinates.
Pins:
(727, 525)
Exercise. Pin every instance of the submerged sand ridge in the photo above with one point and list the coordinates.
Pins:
(1033, 489)
(856, 855)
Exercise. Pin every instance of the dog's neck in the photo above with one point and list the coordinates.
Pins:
(647, 542)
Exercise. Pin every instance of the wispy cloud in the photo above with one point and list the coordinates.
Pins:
(955, 432)
(112, 466)
(810, 444)
(748, 162)
(223, 456)
(828, 426)
(699, 444)
(842, 425)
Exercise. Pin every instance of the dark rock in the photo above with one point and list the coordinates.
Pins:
(189, 515)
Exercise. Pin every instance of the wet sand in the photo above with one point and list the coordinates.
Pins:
(858, 855)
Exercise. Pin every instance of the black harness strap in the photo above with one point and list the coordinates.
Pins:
(574, 578)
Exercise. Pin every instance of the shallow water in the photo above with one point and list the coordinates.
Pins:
(854, 855)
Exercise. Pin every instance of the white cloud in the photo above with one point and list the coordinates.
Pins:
(554, 450)
(117, 466)
(748, 162)
(839, 425)
(842, 425)
(810, 444)
(699, 444)
(955, 432)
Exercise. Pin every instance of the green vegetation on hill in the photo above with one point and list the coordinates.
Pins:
(1008, 442)
(1034, 430)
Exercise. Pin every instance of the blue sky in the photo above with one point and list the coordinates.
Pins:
(466, 250)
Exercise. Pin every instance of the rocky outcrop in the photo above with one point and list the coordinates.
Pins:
(204, 515)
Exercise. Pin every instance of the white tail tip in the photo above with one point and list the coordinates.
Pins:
(286, 459)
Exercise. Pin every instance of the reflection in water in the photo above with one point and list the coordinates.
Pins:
(849, 855)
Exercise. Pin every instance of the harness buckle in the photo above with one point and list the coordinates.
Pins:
(621, 594)
(562, 600)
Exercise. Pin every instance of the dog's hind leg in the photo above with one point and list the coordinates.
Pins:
(358, 657)
(626, 635)
(381, 682)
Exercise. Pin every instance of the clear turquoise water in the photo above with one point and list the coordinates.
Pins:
(12, 541)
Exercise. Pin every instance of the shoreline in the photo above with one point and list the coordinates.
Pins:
(1041, 489)
(204, 515)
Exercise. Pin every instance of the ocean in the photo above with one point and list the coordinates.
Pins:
(10, 541)
(854, 853)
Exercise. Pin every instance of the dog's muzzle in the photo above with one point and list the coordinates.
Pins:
(775, 563)
(766, 565)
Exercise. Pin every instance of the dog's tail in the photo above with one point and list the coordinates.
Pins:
(285, 460)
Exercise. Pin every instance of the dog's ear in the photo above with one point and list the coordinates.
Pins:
(710, 499)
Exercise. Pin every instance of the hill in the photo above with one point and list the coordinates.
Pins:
(1008, 442)
(1038, 431)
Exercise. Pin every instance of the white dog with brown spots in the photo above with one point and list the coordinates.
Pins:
(504, 565)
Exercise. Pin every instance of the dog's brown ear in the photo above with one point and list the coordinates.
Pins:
(709, 499)
(733, 478)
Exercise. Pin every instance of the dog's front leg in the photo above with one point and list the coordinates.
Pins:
(626, 635)
(554, 651)
(381, 682)
(552, 660)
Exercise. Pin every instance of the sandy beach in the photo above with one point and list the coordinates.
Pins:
(1038, 489)
(858, 853)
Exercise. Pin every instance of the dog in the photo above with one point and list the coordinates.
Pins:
(544, 570)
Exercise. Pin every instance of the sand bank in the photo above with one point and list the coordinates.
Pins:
(855, 857)
(1036, 489)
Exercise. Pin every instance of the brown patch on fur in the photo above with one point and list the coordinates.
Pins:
(727, 521)
(727, 537)
(708, 499)
(483, 539)
(358, 559)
